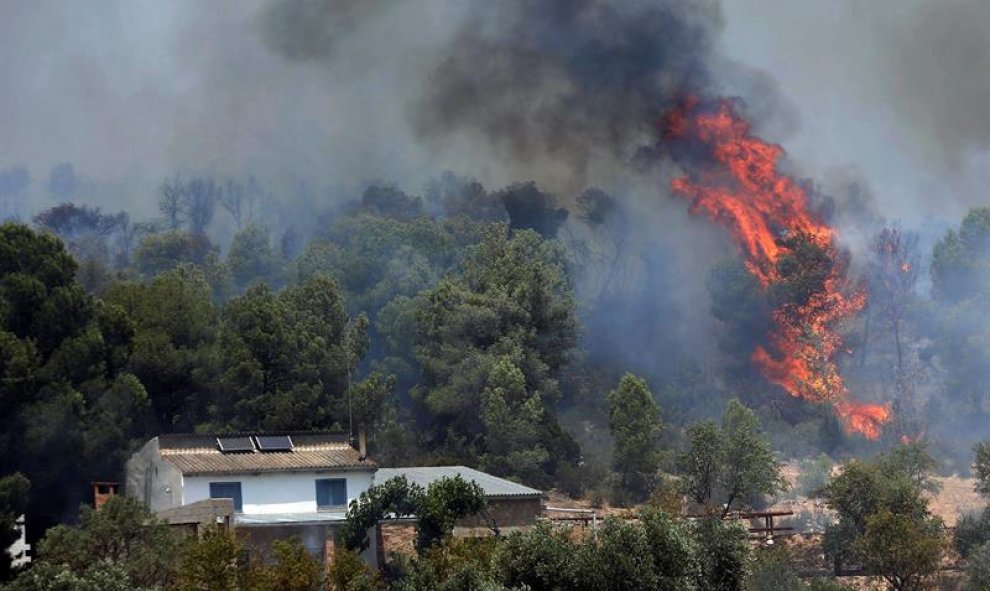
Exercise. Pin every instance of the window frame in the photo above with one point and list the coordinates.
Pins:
(328, 481)
(238, 498)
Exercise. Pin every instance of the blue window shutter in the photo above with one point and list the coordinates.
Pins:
(228, 490)
(322, 493)
(331, 492)
(338, 491)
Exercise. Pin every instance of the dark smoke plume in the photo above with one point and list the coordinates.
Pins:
(568, 80)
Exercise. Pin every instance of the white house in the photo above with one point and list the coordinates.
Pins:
(272, 486)
(280, 484)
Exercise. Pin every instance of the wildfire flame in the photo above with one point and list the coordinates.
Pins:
(745, 192)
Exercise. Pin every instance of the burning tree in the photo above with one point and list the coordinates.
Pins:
(784, 245)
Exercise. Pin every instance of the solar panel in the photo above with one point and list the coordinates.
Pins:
(274, 442)
(235, 444)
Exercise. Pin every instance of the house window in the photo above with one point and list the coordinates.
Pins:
(331, 493)
(227, 490)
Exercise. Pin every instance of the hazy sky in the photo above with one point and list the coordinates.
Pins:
(894, 91)
(897, 89)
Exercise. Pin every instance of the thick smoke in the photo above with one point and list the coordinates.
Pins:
(565, 93)
(895, 88)
(309, 30)
(939, 80)
(575, 82)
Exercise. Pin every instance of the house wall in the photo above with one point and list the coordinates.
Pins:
(277, 492)
(152, 480)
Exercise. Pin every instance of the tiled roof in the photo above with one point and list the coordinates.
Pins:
(199, 454)
(493, 486)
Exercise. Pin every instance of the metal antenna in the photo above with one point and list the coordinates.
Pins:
(347, 352)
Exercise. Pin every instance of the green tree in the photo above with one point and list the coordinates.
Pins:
(396, 497)
(723, 553)
(635, 423)
(59, 577)
(511, 301)
(972, 530)
(751, 470)
(513, 423)
(912, 461)
(287, 359)
(436, 509)
(739, 301)
(959, 260)
(446, 501)
(349, 572)
(860, 491)
(62, 354)
(160, 252)
(773, 570)
(674, 549)
(251, 258)
(901, 549)
(616, 558)
(981, 467)
(960, 273)
(978, 568)
(121, 540)
(292, 569)
(730, 465)
(701, 464)
(541, 559)
(174, 347)
(214, 562)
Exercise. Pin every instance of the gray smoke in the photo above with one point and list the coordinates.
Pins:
(572, 82)
(893, 88)
(939, 80)
(309, 30)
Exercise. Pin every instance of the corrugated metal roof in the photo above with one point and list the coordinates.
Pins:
(198, 454)
(209, 440)
(493, 486)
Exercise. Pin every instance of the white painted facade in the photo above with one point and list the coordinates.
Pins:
(276, 492)
(19, 549)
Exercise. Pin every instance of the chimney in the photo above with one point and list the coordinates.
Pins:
(362, 444)
(102, 491)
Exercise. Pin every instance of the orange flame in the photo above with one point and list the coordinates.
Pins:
(748, 195)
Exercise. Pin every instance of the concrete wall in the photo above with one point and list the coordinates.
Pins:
(278, 492)
(196, 517)
(152, 480)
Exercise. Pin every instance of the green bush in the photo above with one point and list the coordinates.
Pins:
(972, 530)
(978, 568)
(772, 570)
(542, 559)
